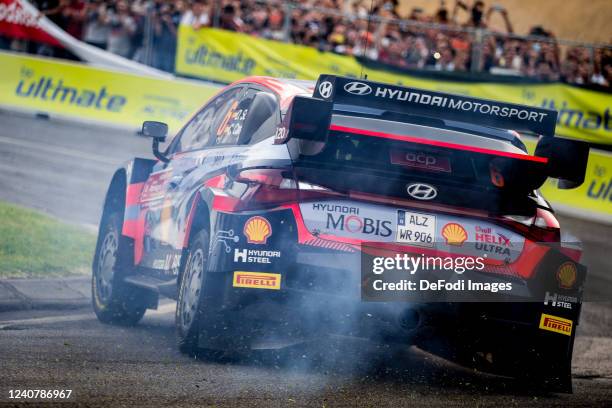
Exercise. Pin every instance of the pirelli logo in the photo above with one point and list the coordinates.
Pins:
(258, 280)
(556, 324)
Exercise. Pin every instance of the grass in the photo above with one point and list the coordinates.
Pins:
(34, 245)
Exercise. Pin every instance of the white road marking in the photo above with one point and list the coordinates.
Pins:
(161, 310)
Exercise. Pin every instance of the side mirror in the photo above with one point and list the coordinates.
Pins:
(567, 160)
(157, 131)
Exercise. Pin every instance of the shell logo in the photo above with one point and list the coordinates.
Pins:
(454, 234)
(566, 275)
(257, 230)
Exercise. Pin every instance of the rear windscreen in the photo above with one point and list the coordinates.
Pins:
(349, 162)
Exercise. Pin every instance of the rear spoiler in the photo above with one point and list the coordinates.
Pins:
(310, 119)
(376, 95)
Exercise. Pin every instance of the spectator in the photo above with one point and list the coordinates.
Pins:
(196, 17)
(230, 20)
(122, 28)
(97, 24)
(165, 27)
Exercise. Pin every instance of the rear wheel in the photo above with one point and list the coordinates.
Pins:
(114, 301)
(189, 319)
(202, 325)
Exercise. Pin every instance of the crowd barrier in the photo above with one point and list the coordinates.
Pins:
(80, 91)
(225, 56)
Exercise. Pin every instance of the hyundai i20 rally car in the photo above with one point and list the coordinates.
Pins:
(256, 217)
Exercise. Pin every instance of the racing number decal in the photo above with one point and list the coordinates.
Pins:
(496, 176)
(231, 126)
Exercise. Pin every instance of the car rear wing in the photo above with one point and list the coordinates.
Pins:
(391, 98)
(314, 119)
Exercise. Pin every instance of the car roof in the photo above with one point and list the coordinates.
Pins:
(286, 89)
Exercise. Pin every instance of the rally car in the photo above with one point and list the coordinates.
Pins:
(256, 215)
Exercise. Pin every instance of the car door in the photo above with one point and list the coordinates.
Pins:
(167, 194)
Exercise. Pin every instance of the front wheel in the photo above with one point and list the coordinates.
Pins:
(114, 301)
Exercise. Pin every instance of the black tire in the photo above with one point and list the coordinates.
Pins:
(189, 318)
(114, 301)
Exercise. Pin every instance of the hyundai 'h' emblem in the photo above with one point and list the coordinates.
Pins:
(358, 88)
(325, 89)
(422, 191)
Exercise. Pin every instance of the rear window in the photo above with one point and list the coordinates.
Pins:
(349, 162)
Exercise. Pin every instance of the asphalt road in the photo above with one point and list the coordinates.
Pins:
(63, 169)
(60, 167)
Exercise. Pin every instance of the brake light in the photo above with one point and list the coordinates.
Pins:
(265, 188)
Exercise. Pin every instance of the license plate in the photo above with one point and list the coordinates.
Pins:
(415, 228)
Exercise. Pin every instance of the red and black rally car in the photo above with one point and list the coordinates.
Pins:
(258, 213)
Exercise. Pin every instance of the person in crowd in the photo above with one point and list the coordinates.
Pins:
(122, 29)
(230, 18)
(197, 16)
(165, 28)
(97, 24)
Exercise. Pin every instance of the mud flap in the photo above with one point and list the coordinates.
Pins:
(549, 363)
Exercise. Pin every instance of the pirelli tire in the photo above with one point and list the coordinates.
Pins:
(203, 327)
(114, 300)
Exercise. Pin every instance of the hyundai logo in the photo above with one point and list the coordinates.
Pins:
(358, 88)
(422, 191)
(325, 89)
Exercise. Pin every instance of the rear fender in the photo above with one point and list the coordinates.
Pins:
(200, 214)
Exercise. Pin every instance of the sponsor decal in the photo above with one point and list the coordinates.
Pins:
(47, 88)
(454, 234)
(281, 134)
(326, 89)
(335, 208)
(347, 219)
(458, 103)
(255, 256)
(493, 242)
(257, 280)
(556, 324)
(155, 186)
(225, 238)
(566, 275)
(562, 301)
(485, 234)
(496, 176)
(361, 225)
(421, 160)
(257, 230)
(422, 191)
(358, 88)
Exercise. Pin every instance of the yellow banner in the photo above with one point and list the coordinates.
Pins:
(52, 86)
(226, 56)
